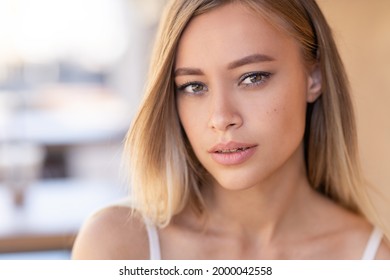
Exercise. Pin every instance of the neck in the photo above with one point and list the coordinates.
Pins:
(269, 209)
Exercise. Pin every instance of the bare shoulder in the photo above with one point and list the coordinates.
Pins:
(358, 230)
(384, 250)
(112, 233)
(345, 233)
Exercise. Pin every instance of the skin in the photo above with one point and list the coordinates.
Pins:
(263, 207)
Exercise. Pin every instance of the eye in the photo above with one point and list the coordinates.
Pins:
(192, 88)
(254, 78)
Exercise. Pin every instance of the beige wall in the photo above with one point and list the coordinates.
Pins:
(362, 31)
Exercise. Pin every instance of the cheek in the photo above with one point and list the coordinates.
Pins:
(291, 102)
(286, 121)
(280, 116)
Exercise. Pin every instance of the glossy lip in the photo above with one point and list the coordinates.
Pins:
(233, 158)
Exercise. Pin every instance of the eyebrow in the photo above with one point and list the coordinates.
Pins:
(253, 58)
(187, 71)
(250, 59)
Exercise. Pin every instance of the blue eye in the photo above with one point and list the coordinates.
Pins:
(254, 78)
(192, 88)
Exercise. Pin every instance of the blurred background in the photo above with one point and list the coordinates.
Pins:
(362, 32)
(71, 76)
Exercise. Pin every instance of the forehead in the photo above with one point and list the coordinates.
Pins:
(230, 32)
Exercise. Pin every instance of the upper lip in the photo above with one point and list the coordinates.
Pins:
(230, 146)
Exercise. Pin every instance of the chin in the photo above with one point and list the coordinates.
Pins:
(235, 183)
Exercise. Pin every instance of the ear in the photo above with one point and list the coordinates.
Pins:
(314, 83)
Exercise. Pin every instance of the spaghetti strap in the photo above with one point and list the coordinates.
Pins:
(373, 244)
(154, 243)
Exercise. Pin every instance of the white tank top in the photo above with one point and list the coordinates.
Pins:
(370, 251)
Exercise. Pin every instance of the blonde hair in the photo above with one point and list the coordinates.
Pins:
(166, 176)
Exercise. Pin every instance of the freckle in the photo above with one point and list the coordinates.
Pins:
(275, 110)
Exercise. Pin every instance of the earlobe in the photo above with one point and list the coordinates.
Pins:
(314, 84)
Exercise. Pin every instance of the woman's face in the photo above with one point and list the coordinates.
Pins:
(242, 89)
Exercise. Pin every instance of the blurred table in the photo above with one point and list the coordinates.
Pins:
(53, 212)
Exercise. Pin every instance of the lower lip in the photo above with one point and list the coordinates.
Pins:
(233, 158)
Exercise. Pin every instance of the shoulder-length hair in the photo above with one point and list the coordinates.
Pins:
(165, 174)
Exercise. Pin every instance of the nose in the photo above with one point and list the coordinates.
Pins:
(224, 113)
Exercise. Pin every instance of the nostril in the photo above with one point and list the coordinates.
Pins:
(225, 122)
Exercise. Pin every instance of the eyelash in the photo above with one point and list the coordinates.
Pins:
(264, 77)
(181, 88)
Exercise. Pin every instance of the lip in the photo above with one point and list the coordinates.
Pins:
(243, 153)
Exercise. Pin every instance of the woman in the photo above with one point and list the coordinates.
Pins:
(244, 146)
